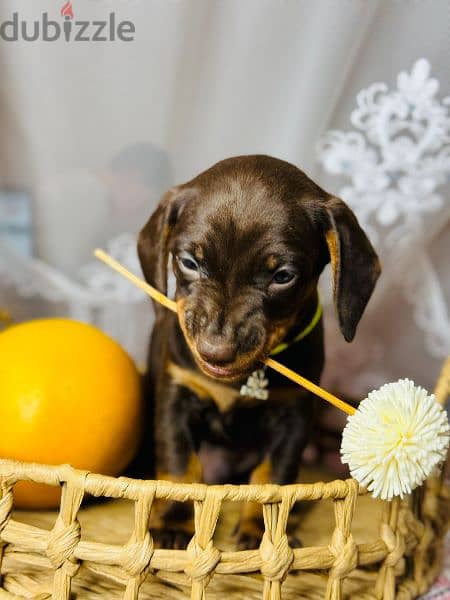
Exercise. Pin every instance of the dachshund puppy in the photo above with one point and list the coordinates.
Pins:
(248, 240)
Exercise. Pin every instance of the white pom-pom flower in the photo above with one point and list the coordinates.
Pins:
(396, 438)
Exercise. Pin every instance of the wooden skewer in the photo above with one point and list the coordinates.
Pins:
(310, 386)
(137, 281)
(273, 364)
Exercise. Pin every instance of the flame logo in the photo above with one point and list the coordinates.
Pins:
(67, 10)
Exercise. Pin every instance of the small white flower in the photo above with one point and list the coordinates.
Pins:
(256, 386)
(397, 437)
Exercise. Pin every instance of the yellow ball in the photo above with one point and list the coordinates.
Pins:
(68, 394)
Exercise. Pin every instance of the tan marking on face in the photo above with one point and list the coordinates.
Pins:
(182, 322)
(198, 253)
(205, 388)
(278, 332)
(272, 263)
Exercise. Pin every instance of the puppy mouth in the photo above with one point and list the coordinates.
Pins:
(229, 373)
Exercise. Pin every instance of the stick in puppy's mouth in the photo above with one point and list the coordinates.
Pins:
(273, 364)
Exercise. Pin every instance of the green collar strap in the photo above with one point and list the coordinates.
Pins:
(303, 333)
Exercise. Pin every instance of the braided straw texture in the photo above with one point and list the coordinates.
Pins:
(364, 549)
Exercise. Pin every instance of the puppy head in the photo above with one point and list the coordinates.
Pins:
(249, 238)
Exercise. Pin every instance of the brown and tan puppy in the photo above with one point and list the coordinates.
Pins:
(249, 239)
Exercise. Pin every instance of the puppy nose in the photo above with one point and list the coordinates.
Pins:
(216, 351)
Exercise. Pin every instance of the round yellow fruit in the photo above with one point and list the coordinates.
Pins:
(68, 394)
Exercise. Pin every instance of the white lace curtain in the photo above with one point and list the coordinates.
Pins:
(95, 131)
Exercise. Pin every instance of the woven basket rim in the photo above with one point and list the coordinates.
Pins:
(98, 485)
(413, 527)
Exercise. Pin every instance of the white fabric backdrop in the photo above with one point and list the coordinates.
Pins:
(203, 80)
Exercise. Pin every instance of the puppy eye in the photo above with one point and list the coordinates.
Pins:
(283, 277)
(188, 265)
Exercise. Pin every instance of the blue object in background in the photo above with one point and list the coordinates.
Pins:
(16, 221)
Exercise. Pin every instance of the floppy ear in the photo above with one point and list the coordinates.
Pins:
(153, 244)
(354, 263)
(153, 241)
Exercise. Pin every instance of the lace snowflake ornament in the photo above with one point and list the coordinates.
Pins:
(396, 159)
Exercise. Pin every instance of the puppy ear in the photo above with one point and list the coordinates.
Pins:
(354, 263)
(153, 241)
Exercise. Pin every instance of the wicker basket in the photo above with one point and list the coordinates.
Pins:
(354, 546)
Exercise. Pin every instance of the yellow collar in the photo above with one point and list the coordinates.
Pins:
(307, 330)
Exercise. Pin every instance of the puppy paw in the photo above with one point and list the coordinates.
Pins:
(171, 539)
